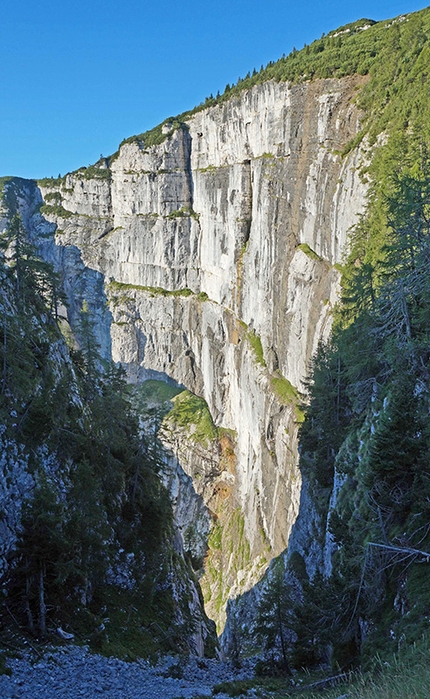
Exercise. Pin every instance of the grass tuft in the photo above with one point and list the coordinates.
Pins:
(255, 342)
(191, 411)
(304, 247)
(284, 389)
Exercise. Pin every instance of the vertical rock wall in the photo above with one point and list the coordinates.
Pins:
(217, 249)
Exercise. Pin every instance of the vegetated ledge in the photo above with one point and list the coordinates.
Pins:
(154, 137)
(257, 347)
(99, 171)
(287, 394)
(283, 389)
(184, 211)
(56, 210)
(189, 409)
(304, 247)
(157, 290)
(59, 211)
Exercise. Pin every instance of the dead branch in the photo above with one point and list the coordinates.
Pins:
(326, 682)
(14, 619)
(401, 549)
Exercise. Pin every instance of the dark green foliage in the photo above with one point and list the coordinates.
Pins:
(35, 282)
(90, 358)
(40, 566)
(97, 522)
(273, 618)
(368, 417)
(29, 286)
(320, 619)
(326, 417)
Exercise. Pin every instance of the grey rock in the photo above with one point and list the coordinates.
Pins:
(249, 206)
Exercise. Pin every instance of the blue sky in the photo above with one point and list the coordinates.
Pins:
(78, 76)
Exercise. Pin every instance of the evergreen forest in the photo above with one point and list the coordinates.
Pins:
(365, 441)
(93, 553)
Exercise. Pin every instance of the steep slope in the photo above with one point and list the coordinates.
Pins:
(209, 252)
(86, 529)
(217, 250)
(355, 577)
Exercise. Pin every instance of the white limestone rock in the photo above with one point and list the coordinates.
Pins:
(233, 225)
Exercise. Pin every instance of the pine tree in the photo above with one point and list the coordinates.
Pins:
(273, 618)
(39, 568)
(90, 350)
(36, 284)
(87, 529)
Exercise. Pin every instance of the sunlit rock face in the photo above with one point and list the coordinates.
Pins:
(210, 259)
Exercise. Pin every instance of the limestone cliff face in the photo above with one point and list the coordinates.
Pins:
(210, 259)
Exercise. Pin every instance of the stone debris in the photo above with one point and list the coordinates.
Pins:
(69, 673)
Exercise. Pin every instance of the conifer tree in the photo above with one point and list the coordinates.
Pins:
(39, 569)
(273, 619)
(90, 350)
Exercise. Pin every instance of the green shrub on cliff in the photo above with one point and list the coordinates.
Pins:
(56, 210)
(157, 135)
(192, 412)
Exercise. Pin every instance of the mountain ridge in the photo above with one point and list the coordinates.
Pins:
(211, 255)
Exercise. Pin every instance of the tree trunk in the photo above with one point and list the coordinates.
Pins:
(42, 605)
(4, 354)
(27, 606)
(281, 635)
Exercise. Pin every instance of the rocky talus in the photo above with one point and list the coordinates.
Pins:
(73, 672)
